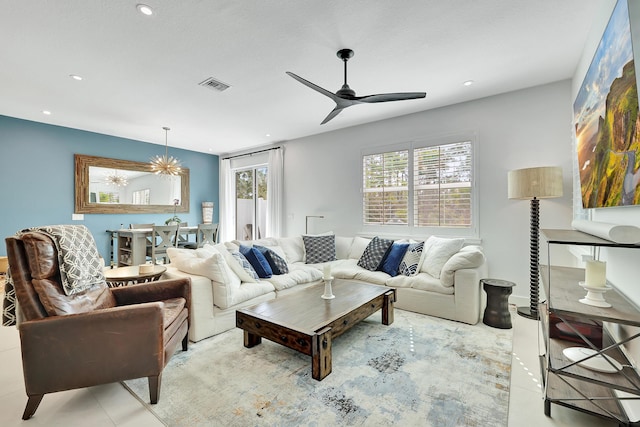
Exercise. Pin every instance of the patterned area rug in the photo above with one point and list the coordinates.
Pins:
(419, 371)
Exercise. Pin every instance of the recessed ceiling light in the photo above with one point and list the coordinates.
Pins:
(46, 112)
(268, 135)
(75, 77)
(144, 9)
(468, 83)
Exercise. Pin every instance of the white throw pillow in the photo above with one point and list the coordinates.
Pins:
(467, 257)
(176, 253)
(235, 266)
(437, 251)
(292, 247)
(343, 246)
(210, 265)
(358, 246)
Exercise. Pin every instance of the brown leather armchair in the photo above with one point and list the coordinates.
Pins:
(99, 336)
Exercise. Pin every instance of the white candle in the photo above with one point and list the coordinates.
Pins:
(596, 273)
(327, 271)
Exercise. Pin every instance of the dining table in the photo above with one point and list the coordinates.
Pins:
(128, 246)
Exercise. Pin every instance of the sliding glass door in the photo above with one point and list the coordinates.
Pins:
(251, 202)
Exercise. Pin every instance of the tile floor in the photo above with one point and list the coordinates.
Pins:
(112, 405)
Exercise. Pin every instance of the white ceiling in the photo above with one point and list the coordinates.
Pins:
(142, 73)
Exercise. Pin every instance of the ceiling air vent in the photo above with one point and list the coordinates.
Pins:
(214, 84)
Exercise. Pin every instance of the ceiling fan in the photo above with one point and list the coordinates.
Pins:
(346, 97)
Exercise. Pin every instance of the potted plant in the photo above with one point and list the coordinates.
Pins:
(174, 219)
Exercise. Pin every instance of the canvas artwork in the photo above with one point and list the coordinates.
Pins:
(607, 122)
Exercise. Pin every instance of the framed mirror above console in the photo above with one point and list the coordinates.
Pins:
(105, 185)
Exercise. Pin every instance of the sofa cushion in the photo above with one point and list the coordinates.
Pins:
(375, 253)
(392, 262)
(467, 257)
(368, 276)
(349, 269)
(319, 248)
(250, 290)
(298, 274)
(257, 261)
(57, 303)
(410, 264)
(276, 262)
(438, 250)
(421, 281)
(358, 246)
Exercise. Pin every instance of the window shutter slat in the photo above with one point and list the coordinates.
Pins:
(442, 185)
(386, 188)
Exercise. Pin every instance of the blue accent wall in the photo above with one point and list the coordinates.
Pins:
(37, 178)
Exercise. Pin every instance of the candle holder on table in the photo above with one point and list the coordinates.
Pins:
(595, 282)
(595, 295)
(328, 292)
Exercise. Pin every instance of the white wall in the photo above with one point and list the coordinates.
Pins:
(520, 129)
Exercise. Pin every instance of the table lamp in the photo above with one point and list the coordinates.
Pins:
(534, 184)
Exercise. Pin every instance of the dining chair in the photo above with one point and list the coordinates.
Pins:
(183, 237)
(207, 233)
(163, 237)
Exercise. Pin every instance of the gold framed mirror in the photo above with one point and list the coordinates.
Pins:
(105, 185)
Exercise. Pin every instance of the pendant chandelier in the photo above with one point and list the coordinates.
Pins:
(165, 165)
(115, 179)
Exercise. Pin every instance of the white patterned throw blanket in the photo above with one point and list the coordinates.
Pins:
(80, 263)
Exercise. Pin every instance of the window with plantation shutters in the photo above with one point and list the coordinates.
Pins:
(386, 188)
(442, 185)
(426, 186)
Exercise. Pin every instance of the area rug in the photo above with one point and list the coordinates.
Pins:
(419, 371)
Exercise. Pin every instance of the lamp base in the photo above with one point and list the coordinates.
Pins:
(526, 312)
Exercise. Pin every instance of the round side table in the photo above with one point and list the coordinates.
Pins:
(123, 276)
(496, 314)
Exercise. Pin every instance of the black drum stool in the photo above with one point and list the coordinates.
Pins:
(497, 312)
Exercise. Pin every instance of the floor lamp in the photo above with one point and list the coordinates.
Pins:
(534, 184)
(306, 222)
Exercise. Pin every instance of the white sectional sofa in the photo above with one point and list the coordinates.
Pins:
(220, 285)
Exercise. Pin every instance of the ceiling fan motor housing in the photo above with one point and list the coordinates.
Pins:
(346, 92)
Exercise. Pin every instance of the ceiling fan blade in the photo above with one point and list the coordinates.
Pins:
(332, 114)
(386, 97)
(313, 86)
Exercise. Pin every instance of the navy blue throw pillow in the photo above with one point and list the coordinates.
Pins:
(257, 261)
(276, 262)
(394, 258)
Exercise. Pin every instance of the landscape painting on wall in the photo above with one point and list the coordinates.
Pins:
(606, 118)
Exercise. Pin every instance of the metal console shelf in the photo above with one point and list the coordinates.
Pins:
(565, 382)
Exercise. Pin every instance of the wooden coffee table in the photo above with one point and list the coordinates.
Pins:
(305, 322)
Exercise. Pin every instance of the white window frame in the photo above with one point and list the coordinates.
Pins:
(389, 230)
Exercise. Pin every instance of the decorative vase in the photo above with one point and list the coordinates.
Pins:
(207, 212)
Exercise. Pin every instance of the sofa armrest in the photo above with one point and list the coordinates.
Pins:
(470, 299)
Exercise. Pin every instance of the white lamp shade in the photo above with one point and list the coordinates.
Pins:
(541, 183)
